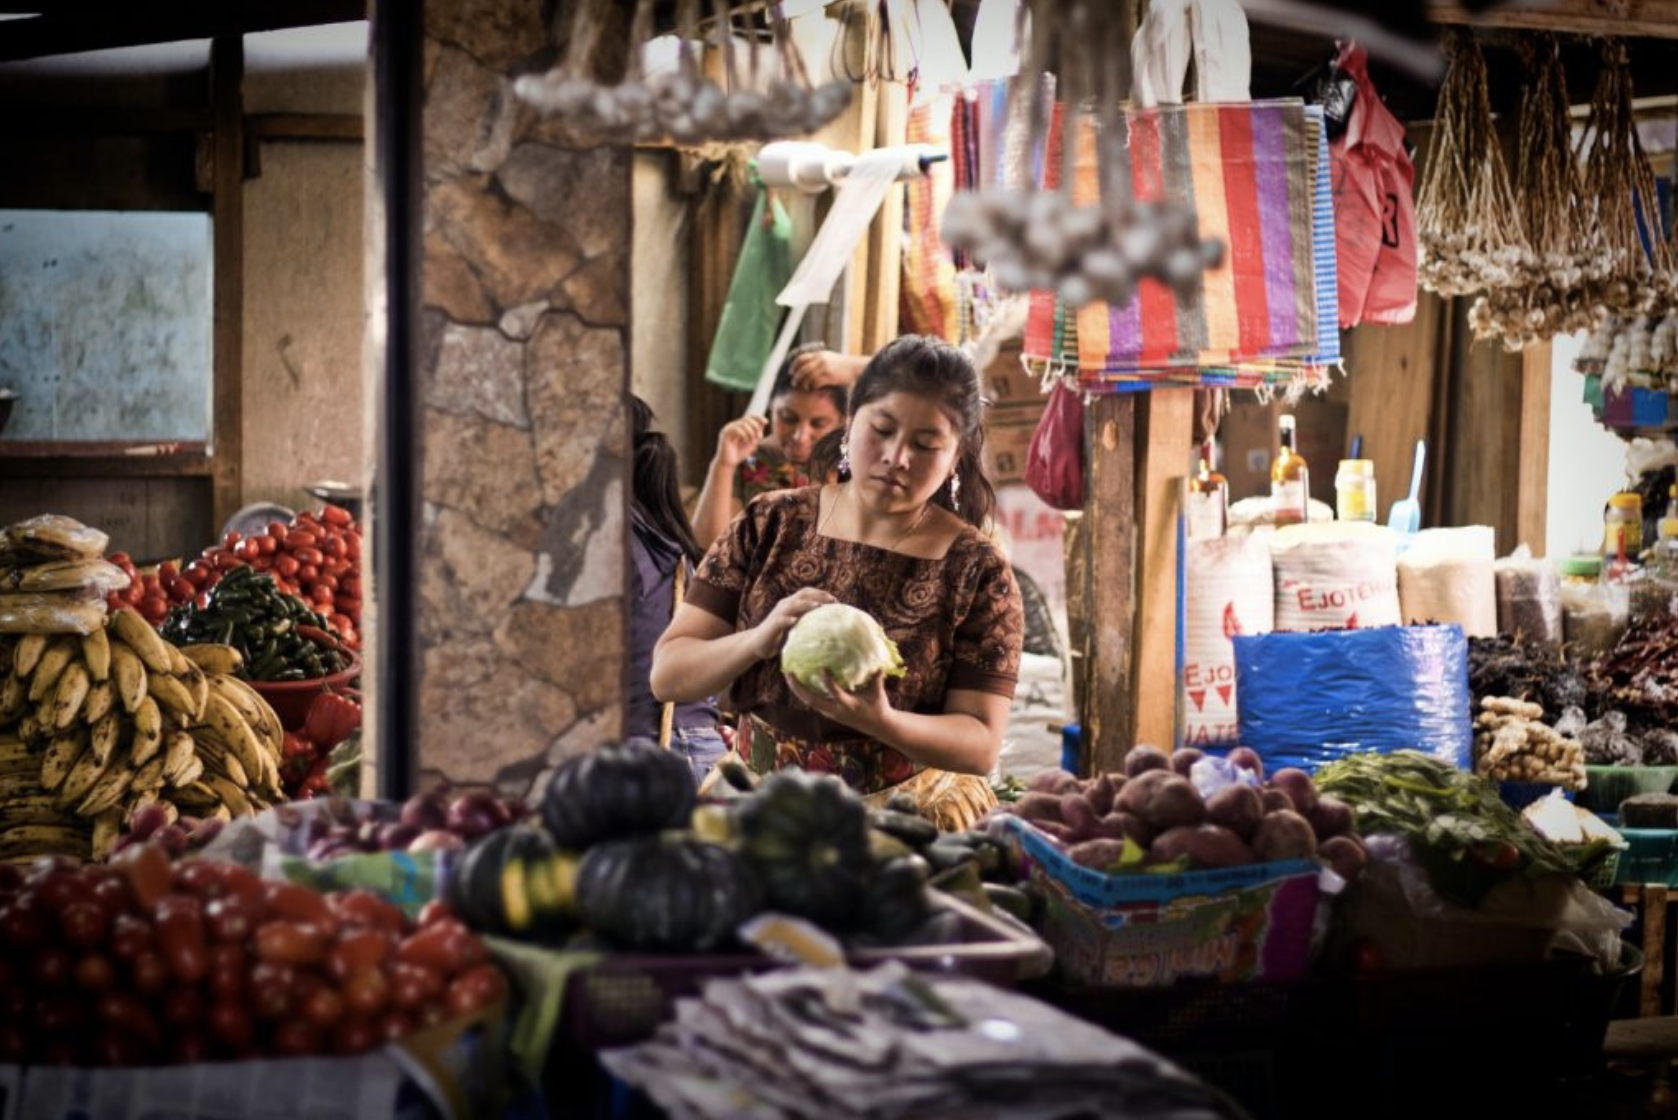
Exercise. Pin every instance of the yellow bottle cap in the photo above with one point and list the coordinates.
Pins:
(1626, 499)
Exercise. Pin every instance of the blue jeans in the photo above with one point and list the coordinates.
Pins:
(701, 746)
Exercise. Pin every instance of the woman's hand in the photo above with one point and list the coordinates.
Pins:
(817, 369)
(771, 633)
(865, 711)
(738, 440)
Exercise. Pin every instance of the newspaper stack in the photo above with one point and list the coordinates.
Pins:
(887, 1043)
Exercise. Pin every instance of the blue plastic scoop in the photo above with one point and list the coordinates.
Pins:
(1406, 514)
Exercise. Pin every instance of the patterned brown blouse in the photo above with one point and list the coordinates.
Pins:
(956, 620)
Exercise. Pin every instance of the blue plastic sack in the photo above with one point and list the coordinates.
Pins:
(1307, 699)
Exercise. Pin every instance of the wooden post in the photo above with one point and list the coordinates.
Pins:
(1108, 587)
(1532, 453)
(227, 219)
(884, 242)
(1164, 433)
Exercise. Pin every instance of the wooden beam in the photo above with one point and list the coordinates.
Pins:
(306, 127)
(1644, 19)
(32, 459)
(75, 28)
(885, 234)
(227, 217)
(1108, 586)
(1164, 433)
(1532, 453)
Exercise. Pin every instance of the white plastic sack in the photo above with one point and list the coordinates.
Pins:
(1447, 575)
(1040, 699)
(1228, 591)
(1337, 575)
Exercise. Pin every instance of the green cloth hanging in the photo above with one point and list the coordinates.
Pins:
(750, 316)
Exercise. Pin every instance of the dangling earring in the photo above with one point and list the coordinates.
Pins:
(845, 457)
(955, 490)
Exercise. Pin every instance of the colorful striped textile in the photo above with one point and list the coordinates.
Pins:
(1257, 175)
(927, 298)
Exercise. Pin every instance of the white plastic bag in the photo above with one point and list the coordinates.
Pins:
(1229, 591)
(1337, 575)
(1447, 575)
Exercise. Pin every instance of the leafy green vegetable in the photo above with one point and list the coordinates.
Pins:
(842, 642)
(1462, 832)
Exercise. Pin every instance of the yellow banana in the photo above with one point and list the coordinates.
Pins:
(52, 663)
(16, 758)
(148, 733)
(100, 699)
(73, 685)
(222, 763)
(180, 757)
(150, 776)
(61, 755)
(44, 839)
(14, 698)
(250, 705)
(142, 639)
(96, 651)
(214, 658)
(30, 728)
(82, 776)
(29, 649)
(171, 693)
(107, 826)
(128, 672)
(230, 795)
(232, 729)
(103, 737)
(195, 794)
(107, 790)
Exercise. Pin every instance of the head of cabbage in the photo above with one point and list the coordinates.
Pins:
(842, 641)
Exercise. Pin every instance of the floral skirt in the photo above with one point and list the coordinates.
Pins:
(951, 801)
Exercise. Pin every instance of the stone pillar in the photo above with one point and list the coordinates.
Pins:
(524, 369)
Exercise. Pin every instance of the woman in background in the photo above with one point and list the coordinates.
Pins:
(757, 455)
(662, 552)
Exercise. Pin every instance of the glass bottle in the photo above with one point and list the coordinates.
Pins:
(1290, 478)
(1208, 512)
(1354, 490)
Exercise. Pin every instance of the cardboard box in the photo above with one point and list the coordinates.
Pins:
(1248, 436)
(1008, 432)
(1006, 382)
(1144, 930)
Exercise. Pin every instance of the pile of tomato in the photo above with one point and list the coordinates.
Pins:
(145, 962)
(317, 557)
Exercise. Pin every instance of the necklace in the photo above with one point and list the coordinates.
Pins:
(901, 537)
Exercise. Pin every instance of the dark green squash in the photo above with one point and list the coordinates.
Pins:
(896, 902)
(514, 881)
(616, 791)
(665, 893)
(806, 835)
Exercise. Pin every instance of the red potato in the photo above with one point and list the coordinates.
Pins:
(1275, 800)
(1299, 787)
(1101, 792)
(1205, 846)
(1099, 854)
(1238, 808)
(1284, 835)
(1345, 854)
(1078, 814)
(1038, 807)
(1181, 760)
(1119, 826)
(1175, 804)
(1331, 817)
(1142, 758)
(1248, 759)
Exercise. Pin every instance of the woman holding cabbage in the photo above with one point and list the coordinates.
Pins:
(897, 537)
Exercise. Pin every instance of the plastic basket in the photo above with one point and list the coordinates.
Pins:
(1650, 856)
(1607, 786)
(623, 999)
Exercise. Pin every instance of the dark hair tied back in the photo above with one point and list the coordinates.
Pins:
(930, 367)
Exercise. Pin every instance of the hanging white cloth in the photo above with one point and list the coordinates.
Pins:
(1213, 32)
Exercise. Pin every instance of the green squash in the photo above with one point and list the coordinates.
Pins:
(806, 835)
(670, 893)
(514, 881)
(896, 902)
(616, 791)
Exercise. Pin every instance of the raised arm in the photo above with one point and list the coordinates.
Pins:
(717, 503)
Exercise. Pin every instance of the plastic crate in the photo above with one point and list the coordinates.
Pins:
(1650, 856)
(622, 999)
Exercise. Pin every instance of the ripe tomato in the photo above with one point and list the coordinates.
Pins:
(299, 903)
(125, 1013)
(356, 950)
(296, 1038)
(475, 989)
(95, 972)
(323, 1006)
(180, 937)
(366, 991)
(412, 986)
(52, 967)
(84, 924)
(285, 942)
(355, 1035)
(231, 1026)
(446, 946)
(183, 1006)
(147, 972)
(273, 991)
